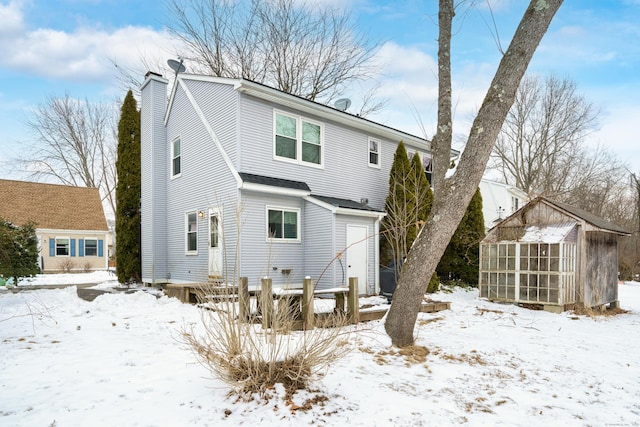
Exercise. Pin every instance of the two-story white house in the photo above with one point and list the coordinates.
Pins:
(499, 200)
(240, 179)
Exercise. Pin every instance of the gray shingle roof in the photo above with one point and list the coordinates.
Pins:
(589, 217)
(274, 182)
(345, 203)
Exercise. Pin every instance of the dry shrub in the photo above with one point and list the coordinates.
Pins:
(252, 359)
(66, 265)
(87, 267)
(580, 310)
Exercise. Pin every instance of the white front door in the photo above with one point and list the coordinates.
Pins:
(357, 255)
(215, 244)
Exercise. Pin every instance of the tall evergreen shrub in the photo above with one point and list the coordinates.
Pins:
(461, 258)
(128, 258)
(393, 228)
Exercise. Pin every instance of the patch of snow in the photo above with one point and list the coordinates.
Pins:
(117, 361)
(553, 233)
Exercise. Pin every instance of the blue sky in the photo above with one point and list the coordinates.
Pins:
(58, 47)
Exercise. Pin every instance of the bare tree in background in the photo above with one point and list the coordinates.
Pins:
(309, 50)
(453, 193)
(539, 149)
(633, 250)
(75, 145)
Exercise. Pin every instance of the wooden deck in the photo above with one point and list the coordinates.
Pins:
(299, 298)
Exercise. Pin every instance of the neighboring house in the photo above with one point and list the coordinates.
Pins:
(70, 224)
(552, 254)
(242, 180)
(499, 201)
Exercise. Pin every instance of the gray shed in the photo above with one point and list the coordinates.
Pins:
(551, 254)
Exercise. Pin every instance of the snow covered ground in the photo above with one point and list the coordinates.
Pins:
(116, 361)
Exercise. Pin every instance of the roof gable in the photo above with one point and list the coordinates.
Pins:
(52, 206)
(543, 212)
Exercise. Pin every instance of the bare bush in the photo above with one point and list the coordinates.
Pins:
(263, 343)
(252, 359)
(87, 267)
(67, 265)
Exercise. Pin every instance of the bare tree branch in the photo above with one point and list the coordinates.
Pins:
(75, 145)
(299, 47)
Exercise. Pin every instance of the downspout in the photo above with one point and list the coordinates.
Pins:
(376, 256)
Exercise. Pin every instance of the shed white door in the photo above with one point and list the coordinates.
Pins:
(215, 244)
(357, 255)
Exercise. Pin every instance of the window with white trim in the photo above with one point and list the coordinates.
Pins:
(176, 157)
(297, 139)
(283, 224)
(515, 204)
(374, 153)
(427, 163)
(62, 246)
(90, 247)
(191, 227)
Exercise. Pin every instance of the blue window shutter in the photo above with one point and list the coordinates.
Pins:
(72, 244)
(80, 247)
(100, 248)
(52, 247)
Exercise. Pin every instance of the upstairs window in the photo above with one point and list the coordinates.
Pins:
(282, 224)
(297, 139)
(515, 204)
(374, 153)
(286, 135)
(176, 157)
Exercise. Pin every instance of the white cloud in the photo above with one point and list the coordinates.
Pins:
(11, 18)
(83, 54)
(409, 82)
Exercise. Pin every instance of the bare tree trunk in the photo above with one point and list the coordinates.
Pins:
(453, 194)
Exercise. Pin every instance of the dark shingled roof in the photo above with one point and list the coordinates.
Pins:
(345, 203)
(589, 217)
(53, 206)
(274, 182)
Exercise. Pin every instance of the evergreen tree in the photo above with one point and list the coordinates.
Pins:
(393, 228)
(128, 257)
(461, 258)
(421, 198)
(407, 205)
(18, 250)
